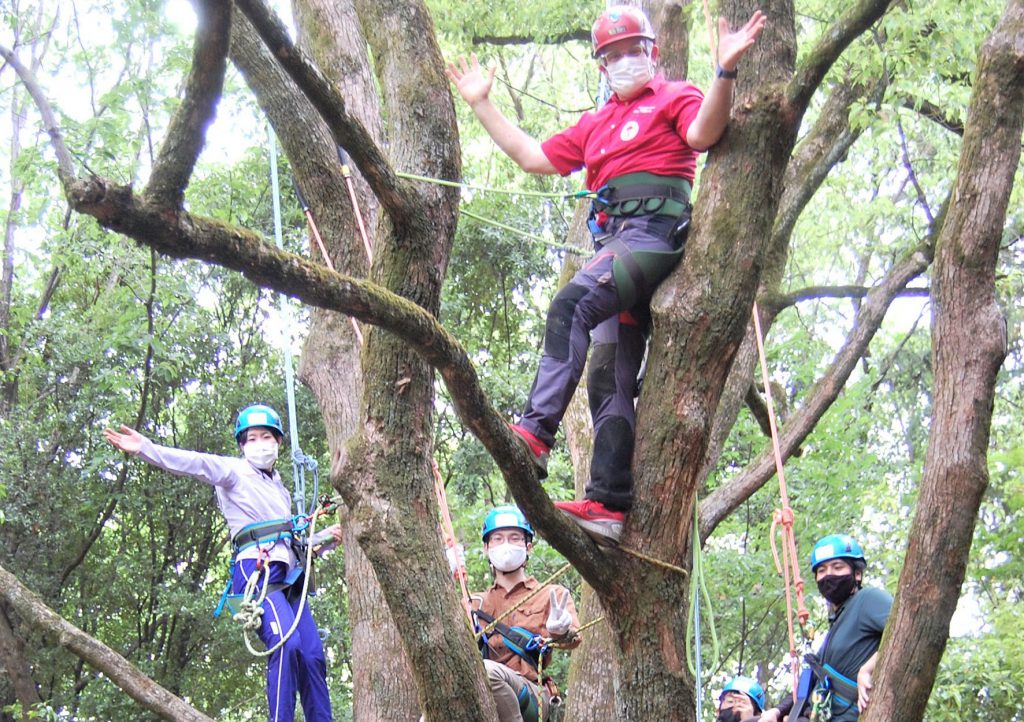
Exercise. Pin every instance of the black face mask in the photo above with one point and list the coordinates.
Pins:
(837, 589)
(728, 715)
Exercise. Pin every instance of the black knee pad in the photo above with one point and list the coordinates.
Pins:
(611, 475)
(560, 313)
(601, 375)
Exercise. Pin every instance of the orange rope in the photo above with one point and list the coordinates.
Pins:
(347, 175)
(783, 517)
(711, 35)
(450, 540)
(327, 260)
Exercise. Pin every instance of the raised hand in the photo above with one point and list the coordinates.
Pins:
(472, 83)
(733, 44)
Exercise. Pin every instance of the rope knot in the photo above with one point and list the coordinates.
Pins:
(784, 516)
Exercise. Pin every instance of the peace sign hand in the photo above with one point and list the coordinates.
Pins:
(559, 619)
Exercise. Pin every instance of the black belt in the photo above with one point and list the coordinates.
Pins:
(638, 194)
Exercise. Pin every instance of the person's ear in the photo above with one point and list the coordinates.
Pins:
(654, 55)
(529, 547)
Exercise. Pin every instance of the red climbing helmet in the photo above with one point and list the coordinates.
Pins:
(618, 23)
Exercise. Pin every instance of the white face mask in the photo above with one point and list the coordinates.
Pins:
(261, 454)
(507, 557)
(628, 74)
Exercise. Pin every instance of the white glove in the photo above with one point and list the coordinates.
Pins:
(559, 618)
(456, 558)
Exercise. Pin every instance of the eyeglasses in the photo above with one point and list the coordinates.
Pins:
(502, 538)
(612, 56)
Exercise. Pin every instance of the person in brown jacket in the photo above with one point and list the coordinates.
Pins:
(516, 645)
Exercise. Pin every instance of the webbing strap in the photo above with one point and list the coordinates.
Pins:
(262, 533)
(518, 640)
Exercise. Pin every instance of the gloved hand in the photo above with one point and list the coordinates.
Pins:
(559, 618)
(326, 539)
(456, 556)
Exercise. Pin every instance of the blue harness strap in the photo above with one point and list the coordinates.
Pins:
(264, 532)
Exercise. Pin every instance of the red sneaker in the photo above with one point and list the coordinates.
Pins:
(538, 449)
(595, 518)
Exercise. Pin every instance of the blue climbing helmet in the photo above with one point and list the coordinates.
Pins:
(748, 686)
(258, 415)
(838, 546)
(506, 517)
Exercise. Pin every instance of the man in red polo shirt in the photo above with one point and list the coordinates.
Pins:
(640, 151)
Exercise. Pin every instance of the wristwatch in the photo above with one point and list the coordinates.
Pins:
(721, 72)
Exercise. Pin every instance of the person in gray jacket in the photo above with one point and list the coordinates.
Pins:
(258, 511)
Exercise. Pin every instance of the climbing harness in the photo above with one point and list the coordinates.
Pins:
(249, 609)
(789, 565)
(638, 272)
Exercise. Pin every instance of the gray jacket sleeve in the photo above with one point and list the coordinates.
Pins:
(211, 468)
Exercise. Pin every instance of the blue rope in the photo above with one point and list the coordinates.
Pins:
(300, 462)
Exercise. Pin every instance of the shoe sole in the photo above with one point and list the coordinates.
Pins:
(603, 532)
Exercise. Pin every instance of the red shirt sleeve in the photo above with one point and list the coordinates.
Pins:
(565, 150)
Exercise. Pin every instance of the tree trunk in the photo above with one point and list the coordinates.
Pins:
(969, 343)
(12, 652)
(123, 673)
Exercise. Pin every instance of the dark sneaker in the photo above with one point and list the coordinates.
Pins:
(600, 522)
(538, 449)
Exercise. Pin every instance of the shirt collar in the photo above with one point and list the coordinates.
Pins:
(530, 583)
(651, 87)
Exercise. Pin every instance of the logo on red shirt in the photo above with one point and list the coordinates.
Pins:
(629, 130)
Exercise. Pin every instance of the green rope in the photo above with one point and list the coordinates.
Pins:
(485, 189)
(525, 234)
(698, 586)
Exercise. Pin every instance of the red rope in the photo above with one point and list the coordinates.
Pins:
(450, 540)
(789, 563)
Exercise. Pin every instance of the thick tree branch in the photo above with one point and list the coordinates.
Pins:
(781, 301)
(833, 42)
(121, 672)
(724, 500)
(186, 133)
(398, 199)
(183, 235)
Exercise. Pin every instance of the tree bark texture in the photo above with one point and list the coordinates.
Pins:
(701, 314)
(121, 672)
(969, 340)
(19, 671)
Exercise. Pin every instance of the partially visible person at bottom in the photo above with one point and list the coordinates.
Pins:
(857, 618)
(258, 511)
